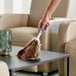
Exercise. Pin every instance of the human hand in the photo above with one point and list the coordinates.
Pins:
(44, 21)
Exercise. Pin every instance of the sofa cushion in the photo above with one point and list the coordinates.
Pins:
(21, 35)
(70, 48)
(13, 20)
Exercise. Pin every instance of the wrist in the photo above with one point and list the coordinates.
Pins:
(47, 15)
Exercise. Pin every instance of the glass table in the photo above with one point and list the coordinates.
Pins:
(15, 64)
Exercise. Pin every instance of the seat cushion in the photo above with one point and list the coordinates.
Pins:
(21, 35)
(70, 48)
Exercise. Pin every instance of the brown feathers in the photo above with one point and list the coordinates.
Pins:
(31, 51)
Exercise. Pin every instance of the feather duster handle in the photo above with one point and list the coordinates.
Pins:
(41, 31)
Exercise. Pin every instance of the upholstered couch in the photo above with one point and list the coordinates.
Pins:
(25, 26)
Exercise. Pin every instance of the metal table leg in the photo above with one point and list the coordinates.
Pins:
(68, 66)
(12, 73)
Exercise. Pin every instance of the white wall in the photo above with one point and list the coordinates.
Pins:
(72, 9)
(15, 6)
(8, 6)
(1, 6)
(23, 6)
(26, 4)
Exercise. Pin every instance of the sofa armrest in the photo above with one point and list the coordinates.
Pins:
(66, 33)
(49, 39)
(58, 33)
(4, 69)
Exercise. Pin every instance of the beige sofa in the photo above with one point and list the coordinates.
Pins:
(24, 27)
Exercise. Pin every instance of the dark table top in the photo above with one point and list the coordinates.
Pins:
(15, 64)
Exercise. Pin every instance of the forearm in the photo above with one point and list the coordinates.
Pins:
(51, 8)
(47, 15)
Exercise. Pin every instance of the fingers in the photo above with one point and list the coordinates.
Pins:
(46, 27)
(47, 24)
(44, 21)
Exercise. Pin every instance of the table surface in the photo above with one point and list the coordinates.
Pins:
(15, 64)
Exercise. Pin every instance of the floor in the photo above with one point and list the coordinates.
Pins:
(21, 73)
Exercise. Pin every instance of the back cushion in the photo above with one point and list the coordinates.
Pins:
(37, 10)
(13, 20)
(62, 9)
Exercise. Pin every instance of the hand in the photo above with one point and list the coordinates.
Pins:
(43, 22)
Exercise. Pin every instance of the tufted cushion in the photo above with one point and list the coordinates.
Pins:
(21, 35)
